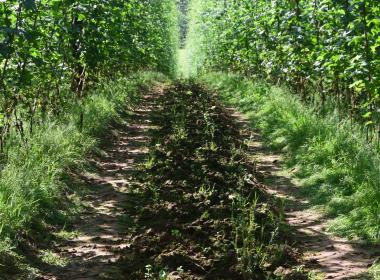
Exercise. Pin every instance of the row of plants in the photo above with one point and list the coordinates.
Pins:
(37, 196)
(327, 51)
(53, 51)
(329, 158)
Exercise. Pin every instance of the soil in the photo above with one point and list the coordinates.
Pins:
(125, 232)
(336, 258)
(103, 235)
(159, 202)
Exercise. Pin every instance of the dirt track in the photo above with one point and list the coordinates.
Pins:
(111, 244)
(337, 258)
(103, 235)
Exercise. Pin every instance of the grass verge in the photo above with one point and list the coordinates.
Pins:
(375, 271)
(332, 160)
(32, 186)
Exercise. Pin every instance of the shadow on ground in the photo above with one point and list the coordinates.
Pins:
(336, 258)
(104, 227)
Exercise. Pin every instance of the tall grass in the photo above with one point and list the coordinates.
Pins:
(31, 186)
(333, 161)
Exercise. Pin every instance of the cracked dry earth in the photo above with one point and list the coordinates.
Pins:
(102, 238)
(336, 258)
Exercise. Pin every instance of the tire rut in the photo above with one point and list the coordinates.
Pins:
(102, 238)
(336, 258)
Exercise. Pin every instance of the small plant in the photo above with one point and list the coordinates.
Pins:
(162, 275)
(151, 275)
(206, 190)
(52, 258)
(176, 233)
(154, 191)
(151, 161)
(317, 276)
(205, 215)
(64, 234)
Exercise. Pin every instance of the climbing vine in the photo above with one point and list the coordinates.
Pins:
(328, 51)
(52, 51)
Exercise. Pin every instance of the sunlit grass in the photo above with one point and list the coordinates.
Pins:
(334, 163)
(33, 188)
(51, 258)
(375, 271)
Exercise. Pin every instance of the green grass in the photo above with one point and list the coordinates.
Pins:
(51, 258)
(375, 271)
(334, 163)
(32, 185)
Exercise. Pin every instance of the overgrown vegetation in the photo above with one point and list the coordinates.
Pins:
(54, 52)
(336, 165)
(62, 80)
(327, 51)
(32, 192)
(199, 212)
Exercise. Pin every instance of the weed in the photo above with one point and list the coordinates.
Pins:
(64, 234)
(206, 191)
(197, 166)
(334, 162)
(315, 276)
(375, 271)
(49, 257)
(33, 185)
(176, 233)
(252, 249)
(150, 273)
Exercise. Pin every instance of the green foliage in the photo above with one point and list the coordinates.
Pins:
(375, 271)
(323, 49)
(31, 186)
(53, 52)
(336, 165)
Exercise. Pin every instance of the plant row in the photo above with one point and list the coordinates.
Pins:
(328, 51)
(329, 158)
(53, 51)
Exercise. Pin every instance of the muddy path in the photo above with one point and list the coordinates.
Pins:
(336, 258)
